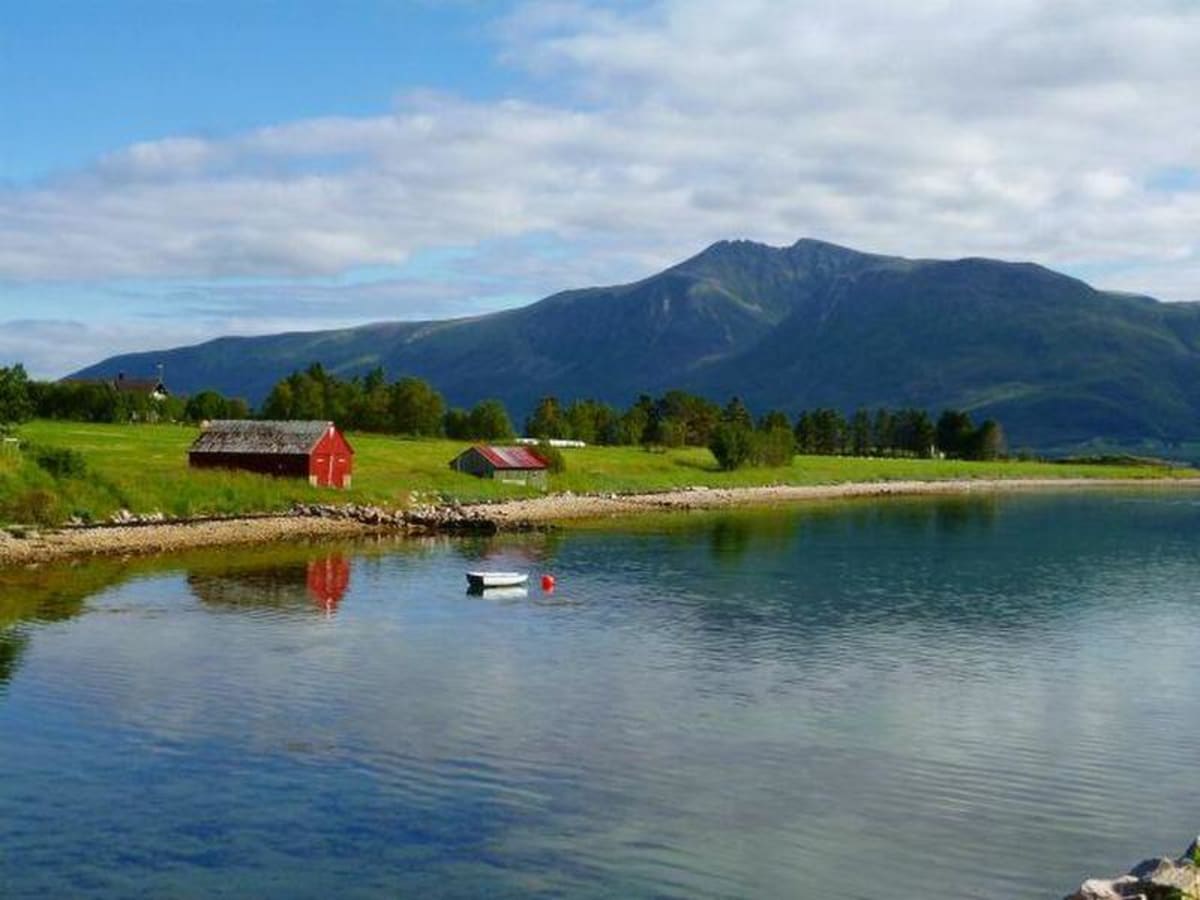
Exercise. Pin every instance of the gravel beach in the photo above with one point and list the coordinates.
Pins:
(35, 547)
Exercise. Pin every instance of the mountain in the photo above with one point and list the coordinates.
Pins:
(1055, 360)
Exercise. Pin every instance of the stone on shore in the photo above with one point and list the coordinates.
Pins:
(1151, 879)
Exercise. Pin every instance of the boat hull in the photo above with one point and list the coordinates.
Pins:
(482, 580)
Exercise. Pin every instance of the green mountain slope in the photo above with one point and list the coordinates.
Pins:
(812, 324)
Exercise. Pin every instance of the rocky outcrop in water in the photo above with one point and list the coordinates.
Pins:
(1151, 879)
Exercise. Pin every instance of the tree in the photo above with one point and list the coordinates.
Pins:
(955, 432)
(488, 421)
(370, 407)
(860, 433)
(15, 403)
(914, 432)
(374, 380)
(205, 405)
(236, 408)
(988, 441)
(636, 421)
(774, 419)
(457, 424)
(280, 401)
(547, 420)
(695, 415)
(735, 413)
(804, 432)
(667, 432)
(592, 422)
(883, 431)
(828, 432)
(414, 407)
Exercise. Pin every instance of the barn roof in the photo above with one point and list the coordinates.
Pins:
(247, 436)
(511, 457)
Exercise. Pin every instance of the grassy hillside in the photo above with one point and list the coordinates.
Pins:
(144, 469)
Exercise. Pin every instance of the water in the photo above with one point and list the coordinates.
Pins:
(917, 698)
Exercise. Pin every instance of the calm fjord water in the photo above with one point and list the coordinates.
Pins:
(929, 699)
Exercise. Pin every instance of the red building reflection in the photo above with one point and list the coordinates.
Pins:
(328, 579)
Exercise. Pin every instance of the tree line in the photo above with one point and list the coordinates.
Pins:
(370, 403)
(903, 432)
(99, 401)
(412, 406)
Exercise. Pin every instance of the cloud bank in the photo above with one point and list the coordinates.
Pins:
(1063, 132)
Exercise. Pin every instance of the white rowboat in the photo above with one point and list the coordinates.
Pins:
(480, 580)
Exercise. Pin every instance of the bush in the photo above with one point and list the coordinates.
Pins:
(668, 433)
(552, 457)
(775, 447)
(61, 462)
(36, 506)
(732, 445)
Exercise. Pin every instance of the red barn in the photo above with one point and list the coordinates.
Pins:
(313, 450)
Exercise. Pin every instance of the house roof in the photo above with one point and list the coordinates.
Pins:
(139, 385)
(123, 384)
(246, 436)
(510, 457)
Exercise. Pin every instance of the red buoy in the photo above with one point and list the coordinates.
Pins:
(547, 583)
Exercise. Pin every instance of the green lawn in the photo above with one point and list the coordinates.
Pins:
(144, 468)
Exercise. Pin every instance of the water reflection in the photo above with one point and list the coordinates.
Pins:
(809, 572)
(302, 585)
(12, 644)
(741, 704)
(41, 595)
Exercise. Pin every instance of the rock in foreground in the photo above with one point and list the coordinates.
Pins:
(1152, 879)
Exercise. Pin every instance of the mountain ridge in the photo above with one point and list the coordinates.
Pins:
(809, 324)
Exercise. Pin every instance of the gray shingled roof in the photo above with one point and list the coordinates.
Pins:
(245, 436)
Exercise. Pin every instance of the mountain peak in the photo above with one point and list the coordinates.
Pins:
(800, 326)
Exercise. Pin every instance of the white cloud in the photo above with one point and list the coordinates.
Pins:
(1015, 129)
(50, 348)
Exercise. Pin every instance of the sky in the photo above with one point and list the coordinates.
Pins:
(176, 170)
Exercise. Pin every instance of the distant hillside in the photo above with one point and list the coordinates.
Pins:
(1057, 361)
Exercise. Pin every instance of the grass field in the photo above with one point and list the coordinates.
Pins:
(143, 468)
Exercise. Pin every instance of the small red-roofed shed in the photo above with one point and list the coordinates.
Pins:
(520, 464)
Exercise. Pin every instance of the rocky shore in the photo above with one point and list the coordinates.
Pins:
(566, 506)
(126, 533)
(1152, 879)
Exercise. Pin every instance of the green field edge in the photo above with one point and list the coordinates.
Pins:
(143, 469)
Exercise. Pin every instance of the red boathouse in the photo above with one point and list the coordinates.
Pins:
(313, 450)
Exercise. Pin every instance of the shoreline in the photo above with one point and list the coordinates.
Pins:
(335, 521)
(566, 507)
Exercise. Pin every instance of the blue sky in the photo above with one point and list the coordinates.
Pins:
(80, 79)
(172, 171)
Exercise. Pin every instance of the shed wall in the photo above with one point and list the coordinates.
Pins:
(331, 462)
(279, 465)
(473, 463)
